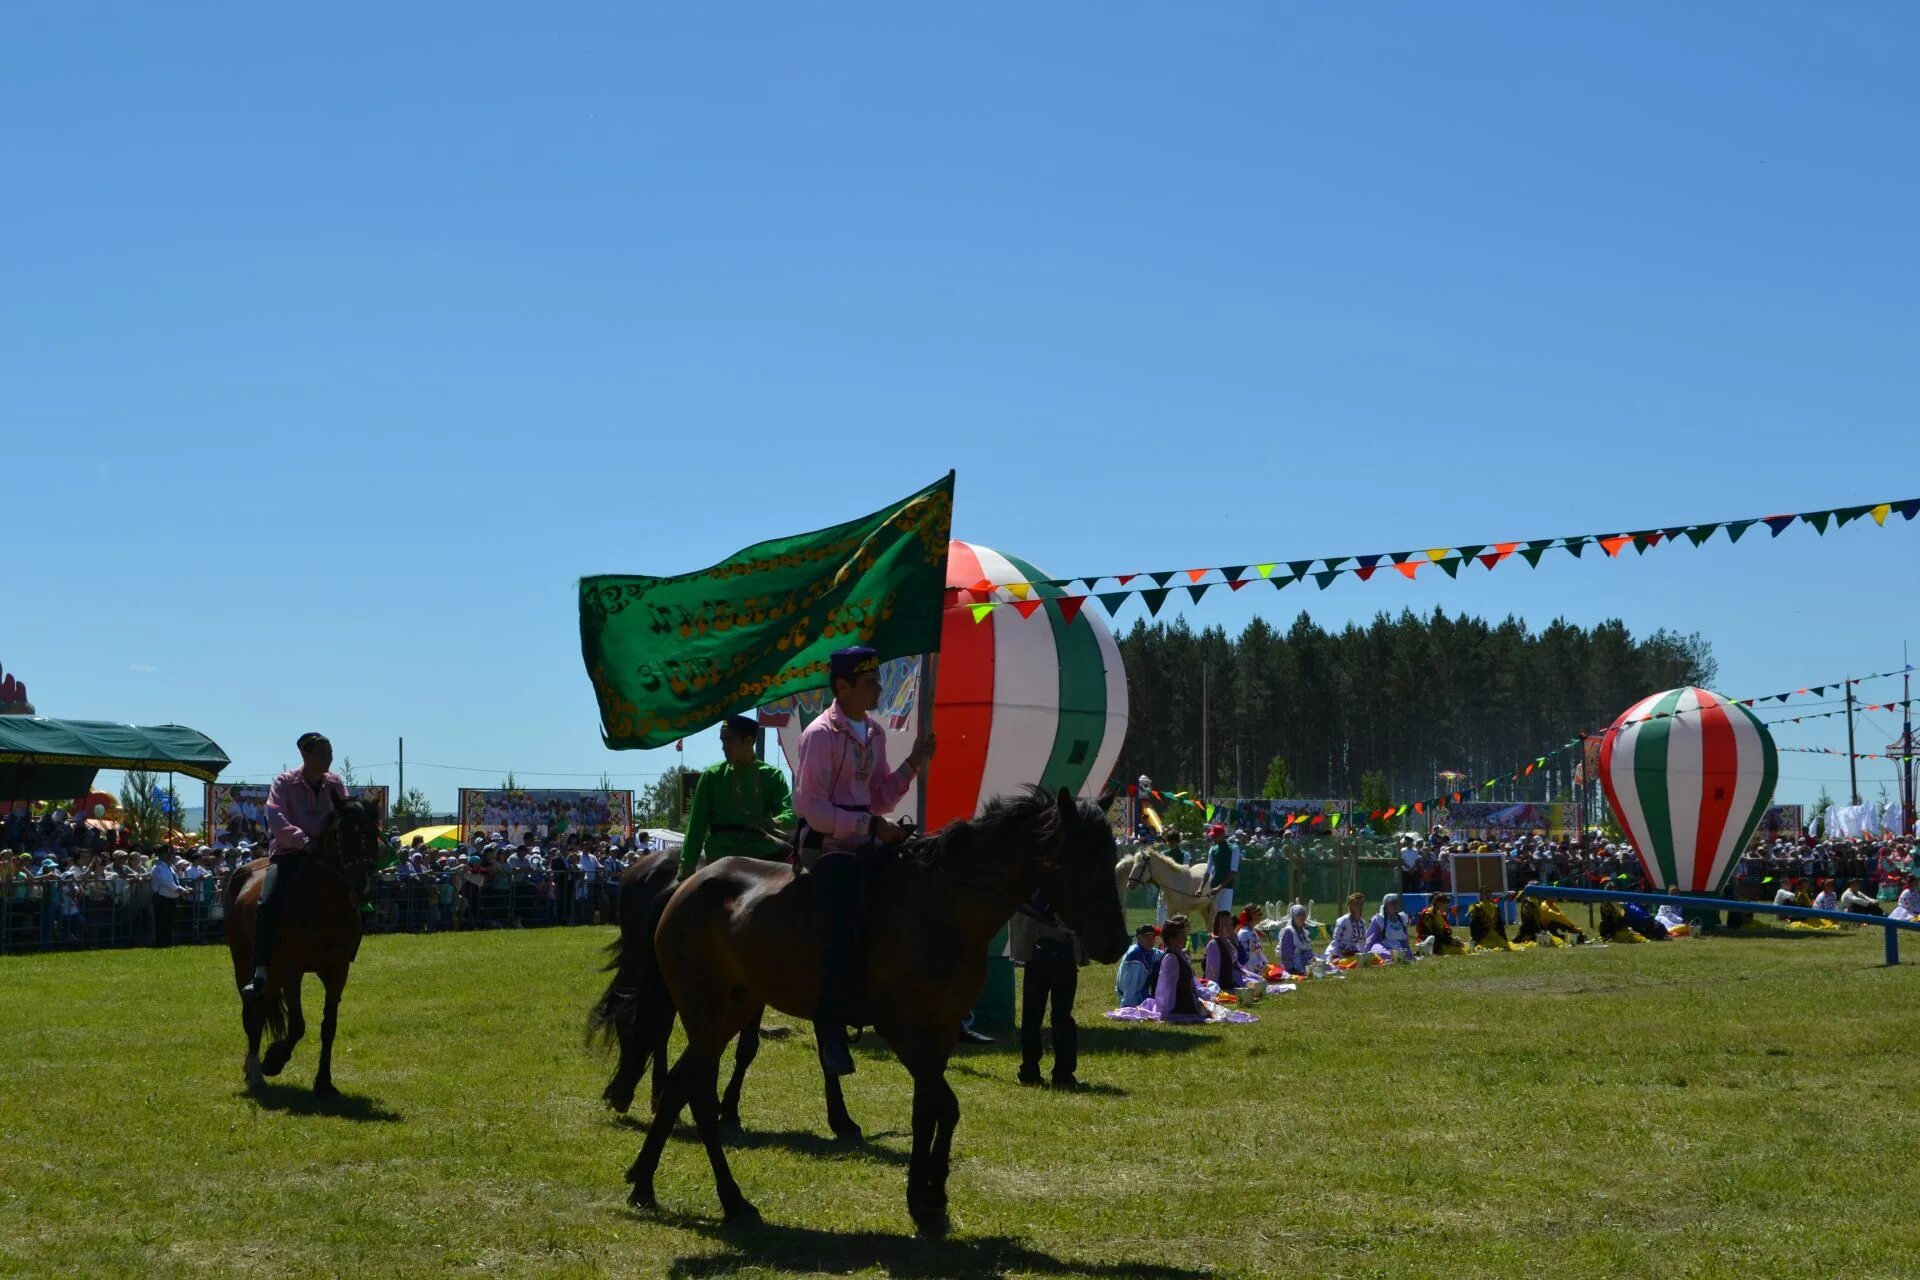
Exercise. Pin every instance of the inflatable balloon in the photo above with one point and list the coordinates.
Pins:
(1689, 775)
(1028, 694)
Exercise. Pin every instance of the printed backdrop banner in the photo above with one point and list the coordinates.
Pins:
(1782, 822)
(546, 814)
(1504, 820)
(238, 810)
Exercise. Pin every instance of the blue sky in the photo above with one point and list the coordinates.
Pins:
(338, 344)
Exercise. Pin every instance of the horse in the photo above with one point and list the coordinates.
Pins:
(729, 939)
(319, 934)
(645, 887)
(1181, 885)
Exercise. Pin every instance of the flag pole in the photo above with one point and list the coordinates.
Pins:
(929, 680)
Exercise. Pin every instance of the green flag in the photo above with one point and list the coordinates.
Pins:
(671, 656)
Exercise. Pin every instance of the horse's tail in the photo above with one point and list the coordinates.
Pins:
(636, 1009)
(603, 1020)
(276, 1016)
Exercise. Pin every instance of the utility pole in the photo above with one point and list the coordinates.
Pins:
(402, 797)
(1853, 764)
(1906, 743)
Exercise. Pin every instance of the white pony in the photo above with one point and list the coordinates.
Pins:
(1180, 885)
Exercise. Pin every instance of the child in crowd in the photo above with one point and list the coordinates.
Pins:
(1174, 990)
(1139, 967)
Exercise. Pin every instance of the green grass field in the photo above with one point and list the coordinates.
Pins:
(1715, 1107)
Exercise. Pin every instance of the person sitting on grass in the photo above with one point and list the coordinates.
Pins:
(1642, 922)
(1433, 927)
(1487, 929)
(1349, 933)
(1174, 991)
(1543, 923)
(1253, 953)
(1138, 968)
(1908, 907)
(1223, 960)
(1390, 933)
(1855, 898)
(1826, 899)
(1614, 926)
(1296, 941)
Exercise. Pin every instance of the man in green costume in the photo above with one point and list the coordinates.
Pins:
(742, 807)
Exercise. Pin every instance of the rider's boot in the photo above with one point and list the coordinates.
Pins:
(836, 882)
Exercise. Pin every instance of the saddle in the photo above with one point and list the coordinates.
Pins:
(869, 860)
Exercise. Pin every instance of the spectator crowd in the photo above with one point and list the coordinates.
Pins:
(68, 883)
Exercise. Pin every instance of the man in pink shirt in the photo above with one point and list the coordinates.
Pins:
(298, 805)
(842, 788)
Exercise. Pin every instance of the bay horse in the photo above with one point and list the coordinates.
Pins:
(731, 938)
(645, 886)
(319, 933)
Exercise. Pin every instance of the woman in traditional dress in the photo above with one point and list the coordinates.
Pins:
(1349, 932)
(1252, 952)
(1296, 941)
(1908, 907)
(1174, 992)
(1826, 899)
(1433, 925)
(1487, 929)
(1390, 935)
(1223, 958)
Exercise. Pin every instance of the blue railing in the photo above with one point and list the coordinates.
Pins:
(1685, 900)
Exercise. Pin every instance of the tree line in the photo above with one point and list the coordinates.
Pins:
(1375, 711)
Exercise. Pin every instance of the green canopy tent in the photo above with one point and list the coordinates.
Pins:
(42, 759)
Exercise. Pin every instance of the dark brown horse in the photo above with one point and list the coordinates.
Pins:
(645, 887)
(728, 941)
(319, 933)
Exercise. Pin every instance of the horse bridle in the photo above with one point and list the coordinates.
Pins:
(331, 859)
(1142, 873)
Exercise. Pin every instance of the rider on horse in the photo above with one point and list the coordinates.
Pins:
(841, 788)
(297, 807)
(741, 806)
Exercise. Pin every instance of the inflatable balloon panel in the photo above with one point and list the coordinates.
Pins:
(1020, 699)
(1689, 775)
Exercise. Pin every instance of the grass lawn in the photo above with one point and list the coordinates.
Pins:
(1716, 1107)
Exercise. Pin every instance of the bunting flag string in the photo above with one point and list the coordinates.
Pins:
(983, 597)
(1852, 755)
(1525, 770)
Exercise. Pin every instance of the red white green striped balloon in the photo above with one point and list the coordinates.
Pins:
(1689, 776)
(1021, 700)
(1025, 696)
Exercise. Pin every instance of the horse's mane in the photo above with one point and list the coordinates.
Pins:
(1161, 857)
(1033, 813)
(328, 841)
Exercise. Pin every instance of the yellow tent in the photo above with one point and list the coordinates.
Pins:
(433, 837)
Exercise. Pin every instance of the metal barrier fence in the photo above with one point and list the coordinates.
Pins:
(92, 911)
